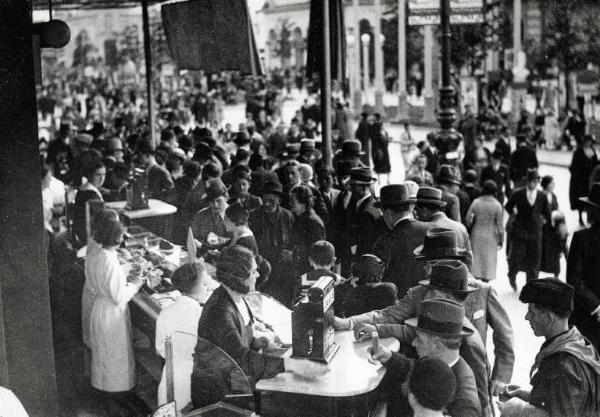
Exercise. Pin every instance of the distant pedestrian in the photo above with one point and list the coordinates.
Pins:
(583, 162)
(379, 150)
(554, 233)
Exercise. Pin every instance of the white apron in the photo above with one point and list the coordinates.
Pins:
(113, 364)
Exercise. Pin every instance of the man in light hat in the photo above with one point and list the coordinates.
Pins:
(439, 333)
(565, 378)
(531, 210)
(583, 270)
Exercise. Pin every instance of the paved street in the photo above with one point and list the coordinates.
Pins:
(552, 163)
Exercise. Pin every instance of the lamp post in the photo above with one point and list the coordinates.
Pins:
(365, 38)
(357, 98)
(447, 138)
(378, 57)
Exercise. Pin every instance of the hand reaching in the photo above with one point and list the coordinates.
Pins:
(378, 353)
(363, 332)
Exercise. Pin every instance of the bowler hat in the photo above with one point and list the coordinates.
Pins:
(533, 174)
(593, 198)
(549, 292)
(242, 138)
(292, 149)
(439, 243)
(432, 382)
(361, 176)
(430, 195)
(352, 147)
(394, 195)
(448, 174)
(441, 317)
(273, 187)
(451, 276)
(114, 144)
(216, 189)
(307, 145)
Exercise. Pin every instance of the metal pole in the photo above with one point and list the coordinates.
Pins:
(402, 105)
(378, 57)
(326, 89)
(148, 63)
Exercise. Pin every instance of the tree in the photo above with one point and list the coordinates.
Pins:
(283, 42)
(572, 35)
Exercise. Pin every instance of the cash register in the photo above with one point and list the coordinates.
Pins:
(137, 197)
(312, 323)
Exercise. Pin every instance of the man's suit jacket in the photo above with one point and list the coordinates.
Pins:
(462, 236)
(583, 273)
(529, 219)
(452, 208)
(365, 226)
(396, 249)
(206, 221)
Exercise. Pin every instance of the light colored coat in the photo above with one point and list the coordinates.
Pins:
(113, 364)
(484, 217)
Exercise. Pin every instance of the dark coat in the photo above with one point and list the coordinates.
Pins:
(222, 324)
(583, 273)
(307, 229)
(206, 221)
(581, 170)
(452, 208)
(552, 244)
(370, 296)
(396, 249)
(503, 147)
(160, 184)
(250, 203)
(566, 377)
(522, 159)
(465, 402)
(364, 226)
(501, 178)
(464, 203)
(525, 238)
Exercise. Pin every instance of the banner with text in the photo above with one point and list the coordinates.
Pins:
(427, 12)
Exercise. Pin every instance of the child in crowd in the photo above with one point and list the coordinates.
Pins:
(180, 321)
(369, 293)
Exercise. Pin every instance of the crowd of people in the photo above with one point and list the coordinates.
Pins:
(413, 263)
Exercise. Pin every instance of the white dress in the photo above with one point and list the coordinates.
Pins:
(181, 317)
(88, 295)
(113, 364)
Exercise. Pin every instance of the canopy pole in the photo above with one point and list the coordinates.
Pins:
(326, 89)
(148, 63)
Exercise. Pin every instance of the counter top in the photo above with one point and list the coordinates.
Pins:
(156, 208)
(350, 372)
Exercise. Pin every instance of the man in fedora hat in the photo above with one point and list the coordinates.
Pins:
(430, 208)
(272, 225)
(439, 329)
(565, 377)
(522, 160)
(497, 172)
(583, 270)
(531, 210)
(447, 279)
(352, 151)
(448, 181)
(405, 233)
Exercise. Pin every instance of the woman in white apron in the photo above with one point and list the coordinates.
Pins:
(113, 365)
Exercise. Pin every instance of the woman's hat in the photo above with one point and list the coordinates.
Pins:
(449, 174)
(394, 195)
(216, 189)
(368, 265)
(450, 276)
(273, 187)
(430, 195)
(307, 145)
(362, 176)
(234, 267)
(593, 198)
(439, 243)
(441, 317)
(352, 147)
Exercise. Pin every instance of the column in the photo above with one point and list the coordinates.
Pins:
(357, 97)
(378, 56)
(402, 104)
(365, 39)
(26, 348)
(517, 35)
(429, 110)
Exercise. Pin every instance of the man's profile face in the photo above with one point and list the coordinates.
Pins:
(424, 344)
